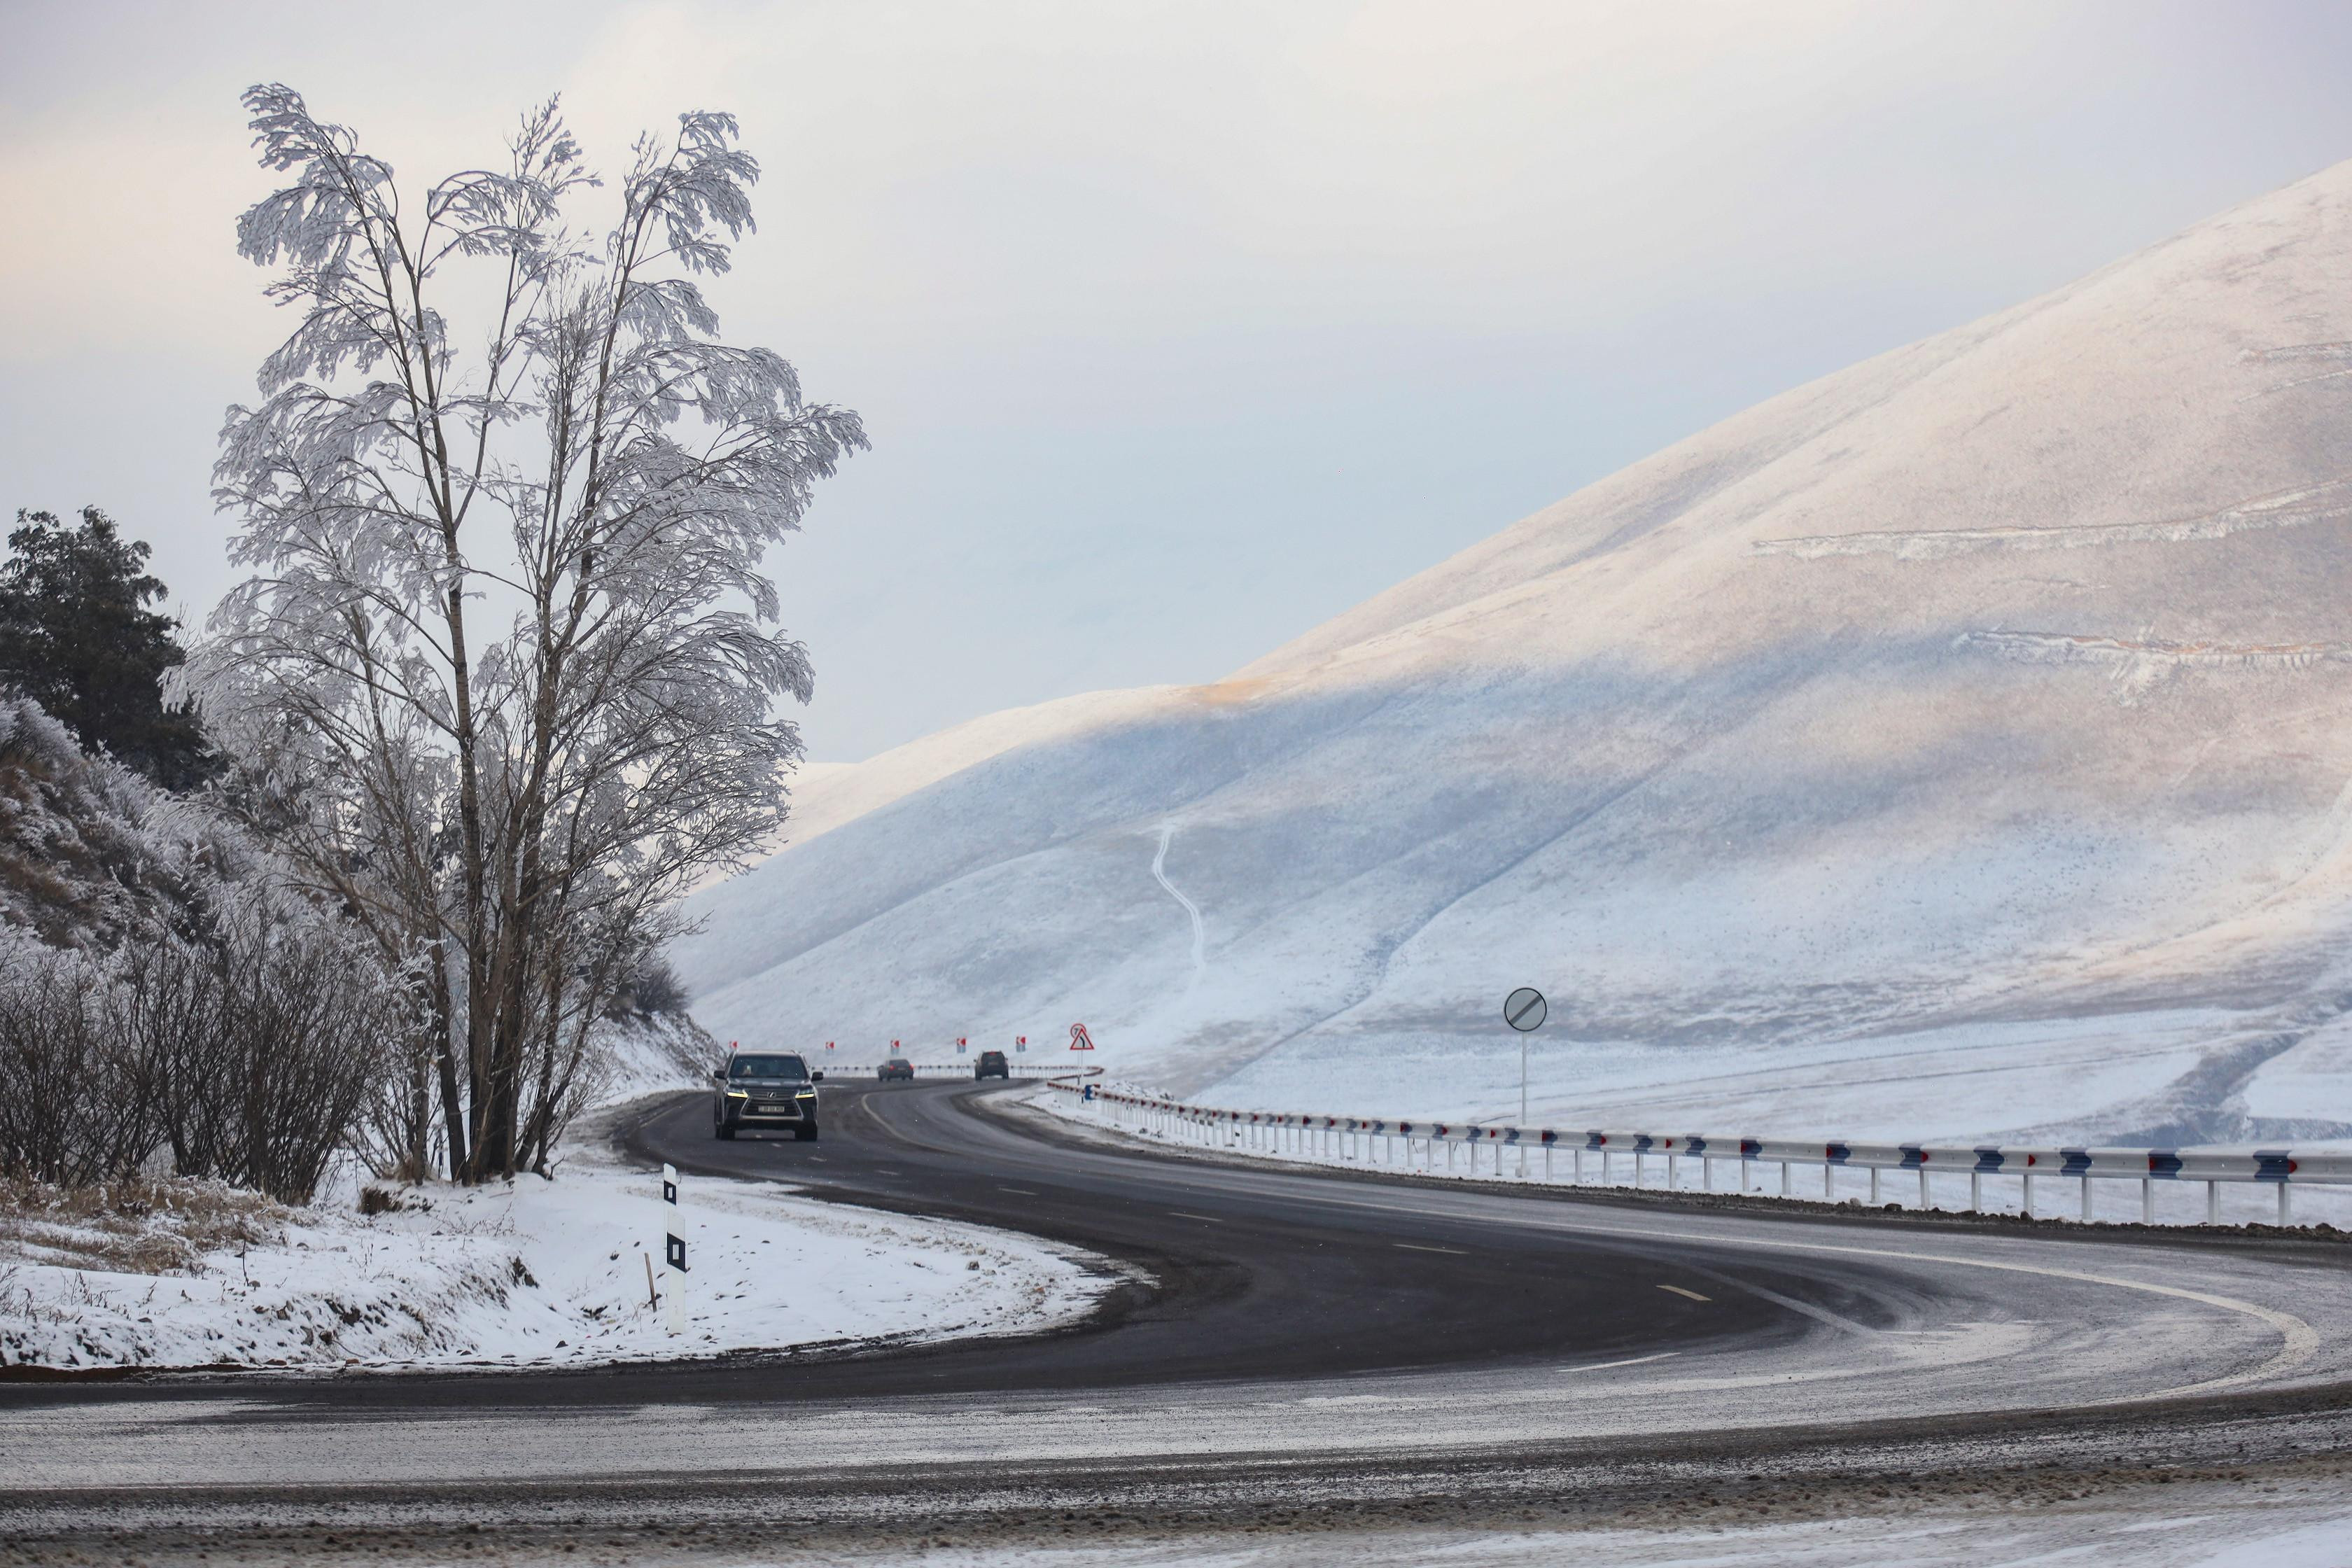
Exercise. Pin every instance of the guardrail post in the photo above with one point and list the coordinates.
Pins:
(2212, 1203)
(1576, 1166)
(2025, 1205)
(1786, 1189)
(1873, 1186)
(2284, 1212)
(2087, 1197)
(1637, 1170)
(1925, 1202)
(2147, 1200)
(1829, 1183)
(1546, 1162)
(1975, 1192)
(1608, 1177)
(1674, 1166)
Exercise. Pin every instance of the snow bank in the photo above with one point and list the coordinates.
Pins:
(637, 1057)
(1948, 747)
(537, 1273)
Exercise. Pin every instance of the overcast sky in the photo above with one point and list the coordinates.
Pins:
(1178, 327)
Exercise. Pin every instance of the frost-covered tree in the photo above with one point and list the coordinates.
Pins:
(505, 673)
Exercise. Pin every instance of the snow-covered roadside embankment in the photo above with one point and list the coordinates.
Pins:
(535, 1273)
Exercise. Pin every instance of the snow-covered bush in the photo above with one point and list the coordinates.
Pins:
(262, 1042)
(247, 1052)
(165, 986)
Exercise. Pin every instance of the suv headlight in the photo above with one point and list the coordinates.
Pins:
(739, 1094)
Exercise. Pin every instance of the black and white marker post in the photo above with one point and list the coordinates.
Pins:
(673, 1256)
(1524, 1010)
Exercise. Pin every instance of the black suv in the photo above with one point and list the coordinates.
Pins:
(897, 1068)
(764, 1089)
(993, 1065)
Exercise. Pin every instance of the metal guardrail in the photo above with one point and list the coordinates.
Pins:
(1349, 1138)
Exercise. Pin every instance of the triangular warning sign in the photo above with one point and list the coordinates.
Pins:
(1079, 1039)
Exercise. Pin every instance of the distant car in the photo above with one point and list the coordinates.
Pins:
(897, 1068)
(993, 1065)
(764, 1089)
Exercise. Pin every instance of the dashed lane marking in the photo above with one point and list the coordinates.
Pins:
(1205, 1219)
(1692, 1294)
(1023, 1191)
(1410, 1247)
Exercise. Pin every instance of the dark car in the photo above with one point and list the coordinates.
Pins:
(993, 1065)
(897, 1068)
(764, 1089)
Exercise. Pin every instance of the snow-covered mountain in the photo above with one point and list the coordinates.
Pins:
(1955, 745)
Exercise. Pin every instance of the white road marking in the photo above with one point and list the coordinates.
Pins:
(1692, 1294)
(1408, 1247)
(1023, 1191)
(1206, 1219)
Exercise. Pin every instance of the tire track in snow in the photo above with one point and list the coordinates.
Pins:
(1199, 933)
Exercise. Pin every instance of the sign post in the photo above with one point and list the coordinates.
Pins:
(1524, 1010)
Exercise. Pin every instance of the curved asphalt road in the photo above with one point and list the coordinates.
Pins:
(1283, 1329)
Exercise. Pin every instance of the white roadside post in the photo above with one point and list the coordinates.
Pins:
(673, 1256)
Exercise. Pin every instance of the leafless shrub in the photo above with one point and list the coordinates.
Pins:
(650, 988)
(76, 1103)
(270, 1036)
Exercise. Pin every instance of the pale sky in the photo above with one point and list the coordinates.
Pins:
(1178, 327)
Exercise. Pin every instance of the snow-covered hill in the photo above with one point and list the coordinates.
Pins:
(1954, 745)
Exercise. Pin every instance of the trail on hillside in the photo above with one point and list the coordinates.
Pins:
(1199, 933)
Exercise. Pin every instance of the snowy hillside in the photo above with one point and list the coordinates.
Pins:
(1952, 746)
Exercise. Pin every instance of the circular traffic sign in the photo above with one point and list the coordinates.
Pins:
(1524, 1009)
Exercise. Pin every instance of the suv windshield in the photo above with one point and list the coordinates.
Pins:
(767, 1067)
